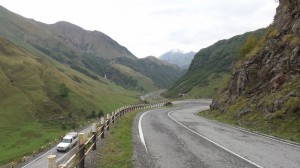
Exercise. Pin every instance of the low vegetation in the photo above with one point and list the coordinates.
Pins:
(35, 135)
(118, 149)
(52, 83)
(41, 99)
(211, 66)
(92, 56)
(263, 93)
(278, 124)
(162, 74)
(138, 81)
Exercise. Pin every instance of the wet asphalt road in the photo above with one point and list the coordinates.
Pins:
(176, 137)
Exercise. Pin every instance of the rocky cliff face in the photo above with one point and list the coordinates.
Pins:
(267, 81)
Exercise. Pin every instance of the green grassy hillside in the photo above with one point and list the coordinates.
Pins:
(41, 98)
(143, 83)
(211, 67)
(161, 73)
(88, 52)
(52, 80)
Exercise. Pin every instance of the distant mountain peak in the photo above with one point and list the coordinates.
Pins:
(161, 62)
(177, 51)
(64, 23)
(178, 57)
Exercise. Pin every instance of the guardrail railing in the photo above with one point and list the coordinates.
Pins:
(98, 132)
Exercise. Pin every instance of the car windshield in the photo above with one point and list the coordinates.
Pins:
(66, 140)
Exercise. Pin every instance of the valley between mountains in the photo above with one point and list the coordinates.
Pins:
(234, 103)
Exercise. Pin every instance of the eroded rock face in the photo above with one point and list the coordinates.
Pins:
(295, 59)
(296, 27)
(278, 81)
(276, 64)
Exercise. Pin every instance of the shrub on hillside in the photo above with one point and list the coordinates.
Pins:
(101, 113)
(63, 90)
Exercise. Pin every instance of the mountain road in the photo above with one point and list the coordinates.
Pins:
(176, 137)
(41, 160)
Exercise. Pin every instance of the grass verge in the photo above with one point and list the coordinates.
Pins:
(20, 141)
(287, 129)
(118, 149)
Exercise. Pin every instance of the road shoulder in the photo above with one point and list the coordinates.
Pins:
(141, 158)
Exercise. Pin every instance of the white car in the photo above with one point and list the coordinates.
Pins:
(67, 142)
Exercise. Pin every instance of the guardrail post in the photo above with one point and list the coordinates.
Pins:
(108, 121)
(94, 130)
(102, 128)
(113, 117)
(62, 166)
(116, 114)
(51, 161)
(81, 150)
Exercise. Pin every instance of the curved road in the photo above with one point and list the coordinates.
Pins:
(176, 137)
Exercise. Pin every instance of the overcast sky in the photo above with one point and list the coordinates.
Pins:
(153, 27)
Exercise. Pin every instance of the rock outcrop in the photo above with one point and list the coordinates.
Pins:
(268, 79)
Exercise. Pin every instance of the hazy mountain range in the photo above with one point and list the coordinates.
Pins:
(178, 57)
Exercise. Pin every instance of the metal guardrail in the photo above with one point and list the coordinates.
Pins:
(98, 131)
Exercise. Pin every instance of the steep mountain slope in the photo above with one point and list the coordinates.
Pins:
(210, 67)
(138, 80)
(264, 90)
(54, 77)
(59, 37)
(89, 52)
(178, 57)
(40, 97)
(90, 42)
(162, 73)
